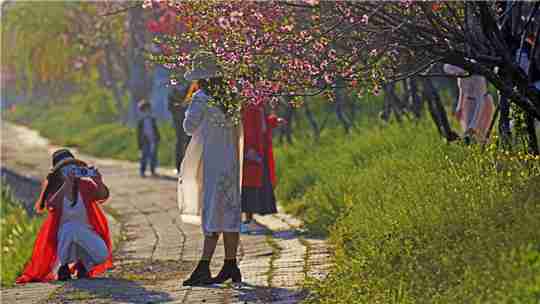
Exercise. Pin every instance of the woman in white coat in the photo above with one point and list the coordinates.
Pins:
(475, 105)
(210, 176)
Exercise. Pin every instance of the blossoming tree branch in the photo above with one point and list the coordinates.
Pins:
(298, 48)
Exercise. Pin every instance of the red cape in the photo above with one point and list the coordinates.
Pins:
(41, 265)
(255, 138)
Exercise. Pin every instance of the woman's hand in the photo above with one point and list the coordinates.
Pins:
(96, 178)
(281, 121)
(102, 192)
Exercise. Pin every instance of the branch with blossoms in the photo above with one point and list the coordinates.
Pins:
(300, 47)
(254, 46)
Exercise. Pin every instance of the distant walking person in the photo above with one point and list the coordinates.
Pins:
(177, 107)
(148, 138)
(475, 106)
(259, 178)
(75, 230)
(209, 184)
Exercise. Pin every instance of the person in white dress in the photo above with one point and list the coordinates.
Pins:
(209, 185)
(77, 241)
(75, 230)
(475, 105)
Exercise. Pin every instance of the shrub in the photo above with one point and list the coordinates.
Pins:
(18, 235)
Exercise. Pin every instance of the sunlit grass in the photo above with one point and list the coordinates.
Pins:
(89, 122)
(412, 218)
(416, 220)
(18, 235)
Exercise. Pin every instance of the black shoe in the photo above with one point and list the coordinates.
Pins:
(82, 273)
(200, 276)
(63, 273)
(229, 270)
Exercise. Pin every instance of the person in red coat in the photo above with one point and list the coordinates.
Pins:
(259, 173)
(75, 232)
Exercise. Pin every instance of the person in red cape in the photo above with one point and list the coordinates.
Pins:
(259, 173)
(75, 231)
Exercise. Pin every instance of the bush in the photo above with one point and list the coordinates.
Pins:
(18, 235)
(414, 219)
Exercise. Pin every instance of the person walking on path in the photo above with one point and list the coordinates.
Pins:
(259, 176)
(475, 106)
(147, 138)
(177, 108)
(76, 230)
(209, 185)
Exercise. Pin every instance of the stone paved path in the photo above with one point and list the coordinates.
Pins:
(157, 250)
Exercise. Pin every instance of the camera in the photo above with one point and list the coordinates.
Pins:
(80, 171)
(84, 172)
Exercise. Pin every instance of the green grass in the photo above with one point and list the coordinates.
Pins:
(89, 122)
(416, 220)
(412, 219)
(18, 235)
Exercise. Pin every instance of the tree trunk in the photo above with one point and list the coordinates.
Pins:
(437, 111)
(313, 122)
(386, 111)
(340, 102)
(137, 82)
(532, 137)
(286, 130)
(354, 110)
(392, 103)
(416, 102)
(504, 121)
(112, 83)
(160, 92)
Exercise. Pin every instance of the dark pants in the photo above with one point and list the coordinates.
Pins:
(149, 155)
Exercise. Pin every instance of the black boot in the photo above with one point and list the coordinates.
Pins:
(200, 276)
(82, 273)
(63, 273)
(230, 270)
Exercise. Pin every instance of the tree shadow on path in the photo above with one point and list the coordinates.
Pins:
(289, 234)
(163, 177)
(258, 294)
(247, 293)
(112, 290)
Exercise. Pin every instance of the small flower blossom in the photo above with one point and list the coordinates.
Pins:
(365, 19)
(224, 23)
(328, 78)
(147, 4)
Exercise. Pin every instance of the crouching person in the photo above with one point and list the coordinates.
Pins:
(75, 237)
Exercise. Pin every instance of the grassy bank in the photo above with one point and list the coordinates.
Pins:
(18, 235)
(89, 122)
(412, 219)
(415, 220)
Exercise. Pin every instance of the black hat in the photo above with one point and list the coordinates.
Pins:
(63, 157)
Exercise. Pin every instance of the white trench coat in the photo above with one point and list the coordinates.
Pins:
(209, 185)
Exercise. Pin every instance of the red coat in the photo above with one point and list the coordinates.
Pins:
(261, 142)
(40, 267)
